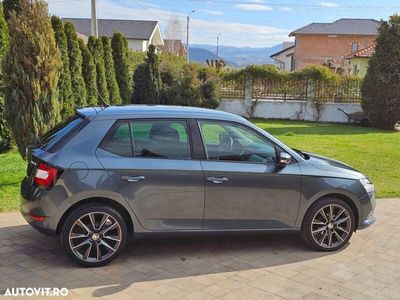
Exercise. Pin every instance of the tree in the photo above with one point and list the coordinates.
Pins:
(30, 71)
(381, 86)
(96, 48)
(112, 84)
(64, 82)
(89, 74)
(10, 6)
(174, 33)
(147, 80)
(120, 53)
(6, 140)
(75, 65)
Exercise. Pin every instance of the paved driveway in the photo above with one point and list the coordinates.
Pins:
(272, 266)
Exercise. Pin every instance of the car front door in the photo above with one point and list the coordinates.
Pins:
(151, 164)
(244, 186)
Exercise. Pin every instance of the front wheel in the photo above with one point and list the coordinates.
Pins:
(94, 234)
(328, 225)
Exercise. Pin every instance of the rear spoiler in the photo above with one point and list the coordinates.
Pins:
(88, 112)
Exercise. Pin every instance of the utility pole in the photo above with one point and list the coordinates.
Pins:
(187, 34)
(218, 44)
(94, 30)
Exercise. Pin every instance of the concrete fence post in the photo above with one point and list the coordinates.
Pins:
(248, 94)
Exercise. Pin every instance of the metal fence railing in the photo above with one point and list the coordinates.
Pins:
(345, 90)
(232, 89)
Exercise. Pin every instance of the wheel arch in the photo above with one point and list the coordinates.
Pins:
(110, 202)
(346, 198)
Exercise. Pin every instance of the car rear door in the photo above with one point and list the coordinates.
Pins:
(244, 187)
(150, 160)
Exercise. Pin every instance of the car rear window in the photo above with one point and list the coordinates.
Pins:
(56, 137)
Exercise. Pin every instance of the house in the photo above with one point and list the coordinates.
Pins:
(321, 43)
(358, 61)
(284, 57)
(140, 34)
(173, 46)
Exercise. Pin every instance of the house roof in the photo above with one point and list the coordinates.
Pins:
(287, 49)
(363, 53)
(132, 29)
(341, 26)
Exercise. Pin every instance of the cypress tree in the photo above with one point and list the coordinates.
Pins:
(120, 52)
(96, 48)
(112, 84)
(147, 80)
(75, 65)
(6, 140)
(89, 74)
(30, 71)
(64, 82)
(381, 85)
(10, 6)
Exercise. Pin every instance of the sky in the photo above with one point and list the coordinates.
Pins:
(240, 23)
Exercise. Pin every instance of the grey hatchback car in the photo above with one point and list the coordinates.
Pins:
(106, 174)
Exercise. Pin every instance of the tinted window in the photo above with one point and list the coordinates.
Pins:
(61, 132)
(161, 138)
(119, 140)
(234, 142)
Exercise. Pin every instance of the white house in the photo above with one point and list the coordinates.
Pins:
(140, 34)
(284, 57)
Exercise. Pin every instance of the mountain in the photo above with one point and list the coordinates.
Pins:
(201, 55)
(234, 56)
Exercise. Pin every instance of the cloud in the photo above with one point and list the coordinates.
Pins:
(285, 8)
(253, 7)
(328, 4)
(201, 31)
(211, 12)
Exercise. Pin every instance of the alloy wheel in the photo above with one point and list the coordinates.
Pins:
(331, 226)
(95, 237)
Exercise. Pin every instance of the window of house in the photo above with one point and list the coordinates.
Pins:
(354, 47)
(225, 141)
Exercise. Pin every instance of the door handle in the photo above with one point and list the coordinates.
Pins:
(132, 178)
(217, 180)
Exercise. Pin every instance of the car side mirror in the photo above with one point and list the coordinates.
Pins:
(284, 159)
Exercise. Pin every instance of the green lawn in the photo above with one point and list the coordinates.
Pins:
(373, 152)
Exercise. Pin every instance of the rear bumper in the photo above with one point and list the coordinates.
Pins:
(34, 201)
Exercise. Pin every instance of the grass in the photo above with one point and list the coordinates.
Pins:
(13, 169)
(374, 152)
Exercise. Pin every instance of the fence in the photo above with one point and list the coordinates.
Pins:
(343, 91)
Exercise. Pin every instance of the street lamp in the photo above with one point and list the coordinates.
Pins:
(187, 34)
(218, 35)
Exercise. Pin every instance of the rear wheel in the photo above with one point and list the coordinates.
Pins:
(94, 234)
(328, 225)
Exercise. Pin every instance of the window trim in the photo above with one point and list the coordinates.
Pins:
(276, 147)
(114, 127)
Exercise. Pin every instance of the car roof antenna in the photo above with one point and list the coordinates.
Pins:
(103, 102)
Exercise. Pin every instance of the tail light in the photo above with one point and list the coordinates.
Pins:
(45, 175)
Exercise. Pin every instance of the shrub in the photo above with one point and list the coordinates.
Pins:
(96, 48)
(6, 139)
(147, 80)
(30, 71)
(67, 102)
(89, 74)
(112, 85)
(381, 86)
(75, 65)
(120, 53)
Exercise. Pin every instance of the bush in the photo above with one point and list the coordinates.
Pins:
(6, 139)
(381, 86)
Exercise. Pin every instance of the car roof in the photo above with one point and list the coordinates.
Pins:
(155, 111)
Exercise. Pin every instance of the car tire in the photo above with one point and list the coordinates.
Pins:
(325, 231)
(94, 234)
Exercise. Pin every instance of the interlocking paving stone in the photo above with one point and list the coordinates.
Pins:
(269, 266)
